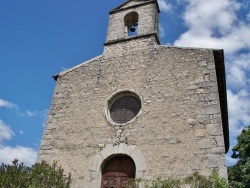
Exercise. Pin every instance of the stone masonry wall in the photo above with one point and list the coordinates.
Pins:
(123, 47)
(178, 129)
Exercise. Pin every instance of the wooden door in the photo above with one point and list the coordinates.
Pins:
(117, 172)
(115, 180)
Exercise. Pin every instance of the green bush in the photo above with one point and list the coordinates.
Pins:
(212, 181)
(194, 181)
(40, 175)
(156, 183)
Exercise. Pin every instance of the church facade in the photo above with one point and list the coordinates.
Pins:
(139, 110)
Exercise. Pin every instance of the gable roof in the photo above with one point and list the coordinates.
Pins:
(56, 76)
(133, 3)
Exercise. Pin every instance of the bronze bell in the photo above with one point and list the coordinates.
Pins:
(132, 29)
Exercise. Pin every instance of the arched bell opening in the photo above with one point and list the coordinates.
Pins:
(117, 172)
(131, 24)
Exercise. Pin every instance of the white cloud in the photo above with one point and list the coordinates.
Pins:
(64, 68)
(231, 43)
(230, 160)
(164, 6)
(23, 154)
(238, 68)
(28, 113)
(238, 109)
(31, 114)
(4, 103)
(211, 14)
(214, 24)
(8, 154)
(161, 31)
(5, 132)
(248, 16)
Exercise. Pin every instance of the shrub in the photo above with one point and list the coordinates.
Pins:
(212, 181)
(40, 175)
(194, 181)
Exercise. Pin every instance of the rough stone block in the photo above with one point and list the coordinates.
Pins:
(95, 174)
(217, 118)
(200, 133)
(139, 174)
(116, 149)
(215, 161)
(213, 96)
(191, 121)
(50, 126)
(122, 148)
(214, 88)
(206, 119)
(220, 141)
(223, 172)
(211, 67)
(195, 164)
(218, 150)
(206, 143)
(107, 151)
(95, 163)
(191, 87)
(130, 149)
(46, 147)
(95, 183)
(211, 109)
(213, 77)
(139, 160)
(214, 129)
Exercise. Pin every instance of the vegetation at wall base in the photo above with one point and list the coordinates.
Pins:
(44, 175)
(40, 175)
(194, 181)
(212, 181)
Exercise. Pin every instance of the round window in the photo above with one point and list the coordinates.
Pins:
(124, 108)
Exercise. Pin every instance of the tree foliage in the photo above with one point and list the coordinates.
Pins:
(239, 174)
(40, 175)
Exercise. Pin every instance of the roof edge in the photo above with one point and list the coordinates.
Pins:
(221, 80)
(132, 38)
(198, 48)
(133, 6)
(56, 76)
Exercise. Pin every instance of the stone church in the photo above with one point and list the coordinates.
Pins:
(139, 110)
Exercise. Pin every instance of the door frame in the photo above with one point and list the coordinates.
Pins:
(96, 162)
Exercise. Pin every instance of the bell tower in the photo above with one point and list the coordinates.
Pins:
(134, 19)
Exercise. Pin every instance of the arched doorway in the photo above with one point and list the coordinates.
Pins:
(117, 171)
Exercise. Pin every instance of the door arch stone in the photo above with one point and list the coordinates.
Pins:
(96, 163)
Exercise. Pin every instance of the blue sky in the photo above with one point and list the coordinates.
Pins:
(41, 38)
